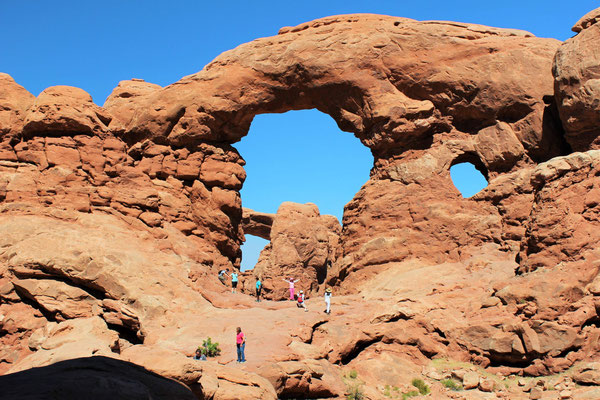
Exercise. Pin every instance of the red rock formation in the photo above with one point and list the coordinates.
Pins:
(15, 101)
(303, 246)
(391, 99)
(114, 220)
(479, 97)
(64, 111)
(587, 20)
(562, 226)
(122, 103)
(87, 168)
(577, 83)
(257, 223)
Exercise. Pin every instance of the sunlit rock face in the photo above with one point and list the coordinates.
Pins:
(115, 220)
(420, 95)
(577, 83)
(303, 245)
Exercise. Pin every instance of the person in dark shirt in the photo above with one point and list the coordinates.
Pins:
(199, 355)
(223, 274)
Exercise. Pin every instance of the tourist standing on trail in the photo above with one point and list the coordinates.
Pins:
(240, 342)
(222, 274)
(327, 300)
(291, 282)
(258, 288)
(301, 303)
(234, 281)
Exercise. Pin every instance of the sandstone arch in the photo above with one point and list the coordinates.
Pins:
(413, 80)
(418, 94)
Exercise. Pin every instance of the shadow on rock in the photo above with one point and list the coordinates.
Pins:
(91, 378)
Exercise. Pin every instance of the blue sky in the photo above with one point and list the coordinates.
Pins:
(298, 156)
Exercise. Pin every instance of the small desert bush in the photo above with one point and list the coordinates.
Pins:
(355, 393)
(421, 385)
(391, 392)
(210, 349)
(452, 384)
(412, 393)
(352, 374)
(387, 391)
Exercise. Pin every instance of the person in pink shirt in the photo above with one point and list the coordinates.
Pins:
(291, 282)
(240, 342)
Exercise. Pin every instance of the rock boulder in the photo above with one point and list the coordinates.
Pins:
(577, 84)
(303, 246)
(61, 110)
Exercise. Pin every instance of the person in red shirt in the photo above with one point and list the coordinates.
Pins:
(300, 303)
(240, 342)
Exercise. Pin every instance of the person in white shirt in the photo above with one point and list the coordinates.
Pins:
(328, 300)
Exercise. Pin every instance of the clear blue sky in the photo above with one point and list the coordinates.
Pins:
(298, 156)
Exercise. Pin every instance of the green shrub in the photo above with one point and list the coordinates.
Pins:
(352, 374)
(412, 393)
(452, 384)
(391, 391)
(421, 385)
(387, 391)
(210, 349)
(355, 393)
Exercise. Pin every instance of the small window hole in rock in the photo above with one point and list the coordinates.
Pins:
(467, 179)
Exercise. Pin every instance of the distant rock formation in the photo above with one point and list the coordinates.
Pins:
(256, 223)
(302, 246)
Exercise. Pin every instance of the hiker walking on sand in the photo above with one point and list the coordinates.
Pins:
(327, 300)
(291, 282)
(234, 281)
(258, 288)
(240, 342)
(222, 274)
(301, 303)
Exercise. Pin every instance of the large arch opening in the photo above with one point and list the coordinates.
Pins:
(299, 156)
